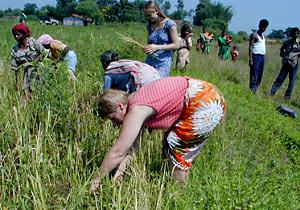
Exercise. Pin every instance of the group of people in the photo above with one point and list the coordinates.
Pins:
(28, 52)
(141, 95)
(289, 51)
(224, 41)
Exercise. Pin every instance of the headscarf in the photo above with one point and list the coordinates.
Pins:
(22, 28)
(45, 39)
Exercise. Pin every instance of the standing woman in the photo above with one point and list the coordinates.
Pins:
(185, 45)
(162, 39)
(224, 45)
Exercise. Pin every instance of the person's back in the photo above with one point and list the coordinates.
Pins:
(135, 74)
(166, 96)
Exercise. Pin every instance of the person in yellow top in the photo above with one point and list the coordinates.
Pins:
(60, 51)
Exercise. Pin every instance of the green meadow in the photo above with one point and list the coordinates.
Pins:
(50, 146)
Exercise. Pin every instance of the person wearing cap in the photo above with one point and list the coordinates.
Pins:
(60, 52)
(25, 54)
(126, 75)
(187, 109)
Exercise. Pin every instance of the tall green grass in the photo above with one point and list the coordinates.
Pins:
(50, 146)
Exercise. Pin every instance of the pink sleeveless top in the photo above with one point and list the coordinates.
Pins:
(166, 96)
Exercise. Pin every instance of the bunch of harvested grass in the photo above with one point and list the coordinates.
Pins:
(128, 39)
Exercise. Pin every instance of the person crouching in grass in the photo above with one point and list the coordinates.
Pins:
(187, 109)
(126, 75)
(25, 54)
(60, 51)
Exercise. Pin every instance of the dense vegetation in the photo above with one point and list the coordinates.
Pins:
(103, 11)
(50, 147)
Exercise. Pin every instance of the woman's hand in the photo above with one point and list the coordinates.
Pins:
(95, 184)
(150, 48)
(122, 168)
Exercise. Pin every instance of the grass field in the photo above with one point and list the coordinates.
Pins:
(50, 147)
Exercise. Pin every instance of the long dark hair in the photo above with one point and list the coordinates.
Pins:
(107, 57)
(185, 28)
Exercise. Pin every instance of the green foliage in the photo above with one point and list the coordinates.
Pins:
(12, 12)
(180, 13)
(30, 9)
(212, 13)
(48, 10)
(50, 146)
(88, 8)
(1, 13)
(276, 34)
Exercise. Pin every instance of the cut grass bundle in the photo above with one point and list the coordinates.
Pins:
(128, 39)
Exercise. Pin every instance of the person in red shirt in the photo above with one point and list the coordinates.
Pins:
(187, 109)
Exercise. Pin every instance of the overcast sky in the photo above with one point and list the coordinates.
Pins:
(247, 13)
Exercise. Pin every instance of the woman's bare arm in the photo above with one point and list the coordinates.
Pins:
(131, 127)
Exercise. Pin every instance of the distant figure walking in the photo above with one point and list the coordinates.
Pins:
(290, 53)
(60, 51)
(204, 41)
(25, 54)
(162, 39)
(257, 51)
(125, 75)
(234, 54)
(185, 45)
(224, 45)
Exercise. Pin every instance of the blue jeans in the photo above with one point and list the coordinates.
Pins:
(122, 81)
(256, 71)
(71, 60)
(285, 70)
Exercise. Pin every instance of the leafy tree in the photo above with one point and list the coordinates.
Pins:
(48, 10)
(243, 34)
(1, 13)
(276, 34)
(89, 8)
(133, 12)
(180, 13)
(166, 7)
(13, 12)
(65, 8)
(208, 13)
(30, 9)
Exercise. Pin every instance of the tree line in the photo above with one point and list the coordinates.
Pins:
(103, 11)
(212, 15)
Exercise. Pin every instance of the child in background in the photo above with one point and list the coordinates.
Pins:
(234, 53)
(185, 45)
(60, 51)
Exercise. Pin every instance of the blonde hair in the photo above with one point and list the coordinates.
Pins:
(154, 5)
(108, 101)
